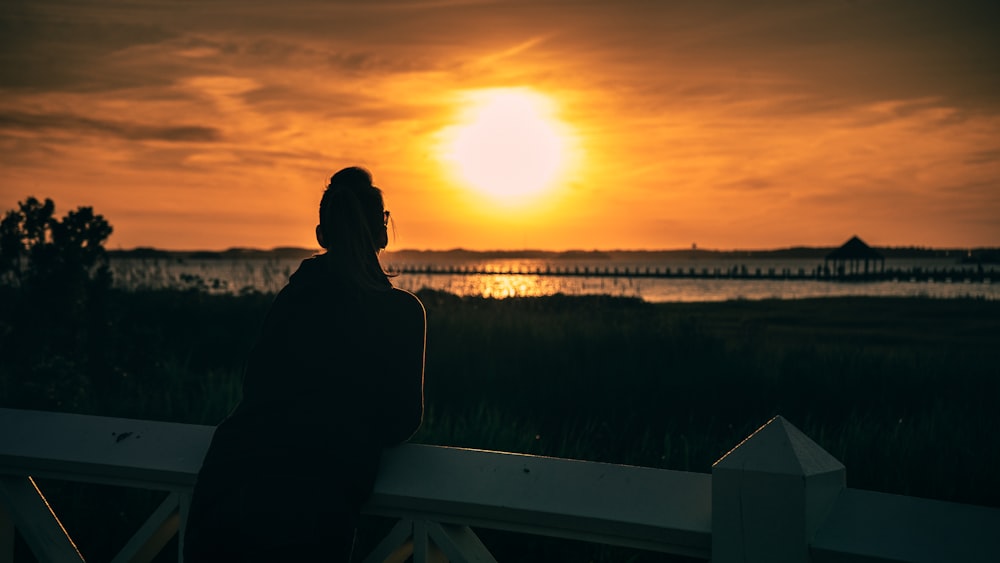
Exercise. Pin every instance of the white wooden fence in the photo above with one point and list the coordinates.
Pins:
(777, 497)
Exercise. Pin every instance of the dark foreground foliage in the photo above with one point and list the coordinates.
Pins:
(901, 390)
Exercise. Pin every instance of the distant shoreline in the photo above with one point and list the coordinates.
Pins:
(799, 252)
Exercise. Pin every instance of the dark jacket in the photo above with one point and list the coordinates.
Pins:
(336, 375)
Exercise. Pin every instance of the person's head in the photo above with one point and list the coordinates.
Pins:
(353, 224)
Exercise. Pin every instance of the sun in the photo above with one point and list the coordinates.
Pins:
(508, 145)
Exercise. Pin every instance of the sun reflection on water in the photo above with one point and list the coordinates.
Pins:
(503, 286)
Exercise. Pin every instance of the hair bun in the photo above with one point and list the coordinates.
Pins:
(352, 178)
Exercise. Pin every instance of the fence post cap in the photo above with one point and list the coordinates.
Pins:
(779, 447)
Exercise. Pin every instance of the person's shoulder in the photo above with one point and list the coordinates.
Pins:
(405, 309)
(406, 300)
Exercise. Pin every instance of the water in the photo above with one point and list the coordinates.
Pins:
(226, 275)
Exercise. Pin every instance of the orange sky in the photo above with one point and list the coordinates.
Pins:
(730, 124)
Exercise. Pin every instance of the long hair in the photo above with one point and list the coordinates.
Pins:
(353, 224)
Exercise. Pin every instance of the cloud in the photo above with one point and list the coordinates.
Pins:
(43, 49)
(682, 107)
(69, 123)
(991, 156)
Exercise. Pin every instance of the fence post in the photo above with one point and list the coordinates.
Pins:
(770, 494)
(6, 535)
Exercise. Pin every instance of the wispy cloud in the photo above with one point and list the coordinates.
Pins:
(124, 130)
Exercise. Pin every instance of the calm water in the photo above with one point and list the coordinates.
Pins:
(269, 275)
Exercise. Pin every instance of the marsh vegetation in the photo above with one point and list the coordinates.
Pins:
(901, 390)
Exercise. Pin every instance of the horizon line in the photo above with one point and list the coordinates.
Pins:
(317, 250)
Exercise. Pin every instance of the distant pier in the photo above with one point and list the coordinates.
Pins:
(819, 273)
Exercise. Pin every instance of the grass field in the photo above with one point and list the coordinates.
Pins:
(903, 391)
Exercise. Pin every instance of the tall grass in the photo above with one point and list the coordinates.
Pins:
(901, 390)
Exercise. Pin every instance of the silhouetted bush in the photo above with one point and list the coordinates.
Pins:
(41, 252)
(55, 277)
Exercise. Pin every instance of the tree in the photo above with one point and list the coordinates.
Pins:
(54, 323)
(36, 248)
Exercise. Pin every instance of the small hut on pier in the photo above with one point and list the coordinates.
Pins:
(848, 259)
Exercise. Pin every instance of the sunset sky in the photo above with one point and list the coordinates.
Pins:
(606, 125)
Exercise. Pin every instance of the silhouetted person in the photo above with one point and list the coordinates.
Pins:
(335, 376)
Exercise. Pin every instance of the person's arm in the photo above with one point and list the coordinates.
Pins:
(404, 353)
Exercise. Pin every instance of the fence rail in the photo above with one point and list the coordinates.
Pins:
(776, 497)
